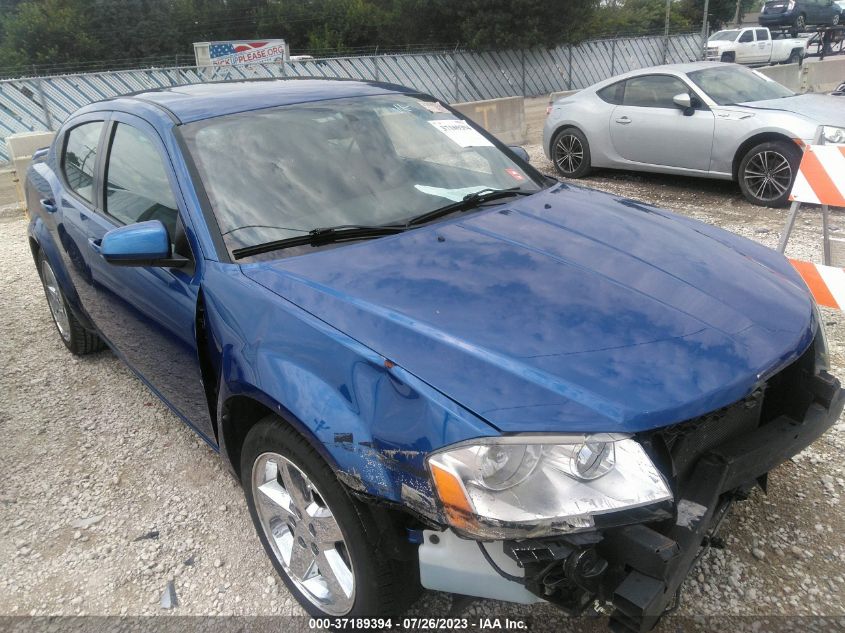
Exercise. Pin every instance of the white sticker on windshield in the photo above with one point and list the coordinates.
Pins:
(461, 133)
(434, 106)
(455, 195)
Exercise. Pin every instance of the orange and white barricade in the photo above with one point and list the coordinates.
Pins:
(820, 180)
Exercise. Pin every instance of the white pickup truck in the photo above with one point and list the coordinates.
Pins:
(754, 46)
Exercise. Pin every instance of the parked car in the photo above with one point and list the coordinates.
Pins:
(795, 15)
(840, 90)
(754, 46)
(425, 362)
(700, 119)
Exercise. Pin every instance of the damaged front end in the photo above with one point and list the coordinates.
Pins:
(638, 514)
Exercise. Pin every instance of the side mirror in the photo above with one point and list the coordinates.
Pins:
(685, 102)
(141, 244)
(520, 151)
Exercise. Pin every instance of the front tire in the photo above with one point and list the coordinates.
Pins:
(75, 337)
(571, 153)
(318, 538)
(767, 171)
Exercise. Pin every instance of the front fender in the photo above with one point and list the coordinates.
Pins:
(372, 421)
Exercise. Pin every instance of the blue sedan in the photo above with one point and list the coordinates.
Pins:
(427, 364)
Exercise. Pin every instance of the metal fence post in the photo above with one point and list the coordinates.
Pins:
(375, 68)
(523, 72)
(569, 74)
(43, 98)
(457, 84)
(613, 57)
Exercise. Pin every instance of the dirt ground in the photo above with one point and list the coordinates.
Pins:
(106, 495)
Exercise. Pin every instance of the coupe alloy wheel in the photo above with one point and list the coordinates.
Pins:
(569, 153)
(303, 533)
(768, 175)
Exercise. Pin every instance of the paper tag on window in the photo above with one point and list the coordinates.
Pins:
(434, 106)
(461, 133)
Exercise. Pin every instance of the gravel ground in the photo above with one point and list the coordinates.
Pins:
(106, 495)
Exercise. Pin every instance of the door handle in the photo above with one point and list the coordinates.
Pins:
(95, 245)
(48, 205)
(623, 120)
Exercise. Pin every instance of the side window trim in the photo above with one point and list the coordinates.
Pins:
(94, 204)
(689, 87)
(106, 143)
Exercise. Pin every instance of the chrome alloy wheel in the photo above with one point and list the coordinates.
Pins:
(303, 533)
(55, 300)
(768, 175)
(569, 153)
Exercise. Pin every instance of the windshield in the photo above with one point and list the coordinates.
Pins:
(282, 172)
(725, 36)
(728, 85)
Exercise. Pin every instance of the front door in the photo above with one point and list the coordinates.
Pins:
(148, 313)
(649, 128)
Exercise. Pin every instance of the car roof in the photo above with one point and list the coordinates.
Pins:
(656, 70)
(194, 102)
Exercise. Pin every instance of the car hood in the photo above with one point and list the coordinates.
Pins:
(567, 311)
(821, 108)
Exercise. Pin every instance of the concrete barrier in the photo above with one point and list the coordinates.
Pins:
(504, 118)
(21, 148)
(824, 76)
(788, 75)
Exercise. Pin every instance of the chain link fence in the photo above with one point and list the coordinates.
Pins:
(43, 103)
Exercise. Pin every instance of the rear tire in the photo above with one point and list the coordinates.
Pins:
(767, 171)
(570, 153)
(347, 573)
(75, 337)
(794, 57)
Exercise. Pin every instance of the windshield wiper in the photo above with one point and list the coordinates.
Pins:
(469, 201)
(321, 236)
(330, 235)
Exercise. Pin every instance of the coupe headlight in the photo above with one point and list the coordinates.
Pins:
(835, 135)
(522, 486)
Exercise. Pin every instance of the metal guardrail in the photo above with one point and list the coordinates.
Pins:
(43, 103)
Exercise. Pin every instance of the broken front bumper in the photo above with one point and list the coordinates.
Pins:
(635, 571)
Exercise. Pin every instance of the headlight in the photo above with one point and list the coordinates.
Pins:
(822, 354)
(522, 486)
(832, 134)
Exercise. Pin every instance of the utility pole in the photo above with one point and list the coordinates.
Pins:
(704, 30)
(666, 31)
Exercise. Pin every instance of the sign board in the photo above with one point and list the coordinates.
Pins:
(239, 52)
(821, 176)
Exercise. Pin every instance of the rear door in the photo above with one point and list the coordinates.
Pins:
(764, 45)
(148, 313)
(73, 210)
(649, 128)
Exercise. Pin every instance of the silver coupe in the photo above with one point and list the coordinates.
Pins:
(705, 119)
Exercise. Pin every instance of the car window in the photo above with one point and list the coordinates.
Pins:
(730, 84)
(613, 93)
(747, 36)
(724, 36)
(137, 188)
(762, 35)
(653, 91)
(80, 158)
(282, 172)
